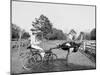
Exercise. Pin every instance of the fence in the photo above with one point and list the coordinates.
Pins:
(90, 46)
(22, 43)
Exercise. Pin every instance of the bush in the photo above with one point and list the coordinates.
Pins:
(56, 35)
(93, 34)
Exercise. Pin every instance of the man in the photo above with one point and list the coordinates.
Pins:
(34, 44)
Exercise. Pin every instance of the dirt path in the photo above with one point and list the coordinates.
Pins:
(80, 59)
(77, 61)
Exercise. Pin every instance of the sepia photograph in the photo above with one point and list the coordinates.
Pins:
(52, 37)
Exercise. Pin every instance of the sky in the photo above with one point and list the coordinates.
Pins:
(64, 17)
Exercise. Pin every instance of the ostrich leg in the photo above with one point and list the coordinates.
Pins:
(67, 57)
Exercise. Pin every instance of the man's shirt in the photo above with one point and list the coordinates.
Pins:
(34, 40)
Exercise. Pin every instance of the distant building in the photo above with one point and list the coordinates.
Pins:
(71, 35)
(84, 36)
(81, 36)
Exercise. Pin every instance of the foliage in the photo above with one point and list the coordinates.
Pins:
(56, 35)
(15, 30)
(44, 30)
(25, 35)
(93, 34)
(88, 36)
(42, 26)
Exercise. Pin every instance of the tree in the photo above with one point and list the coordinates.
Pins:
(87, 36)
(15, 31)
(42, 25)
(93, 34)
(25, 35)
(56, 35)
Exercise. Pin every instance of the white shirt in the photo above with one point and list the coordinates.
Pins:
(34, 41)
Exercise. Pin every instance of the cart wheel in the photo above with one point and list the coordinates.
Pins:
(37, 59)
(28, 62)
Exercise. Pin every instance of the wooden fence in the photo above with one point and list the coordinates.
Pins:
(90, 46)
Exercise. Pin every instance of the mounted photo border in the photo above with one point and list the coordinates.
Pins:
(52, 3)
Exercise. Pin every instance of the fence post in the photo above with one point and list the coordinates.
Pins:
(19, 42)
(84, 45)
